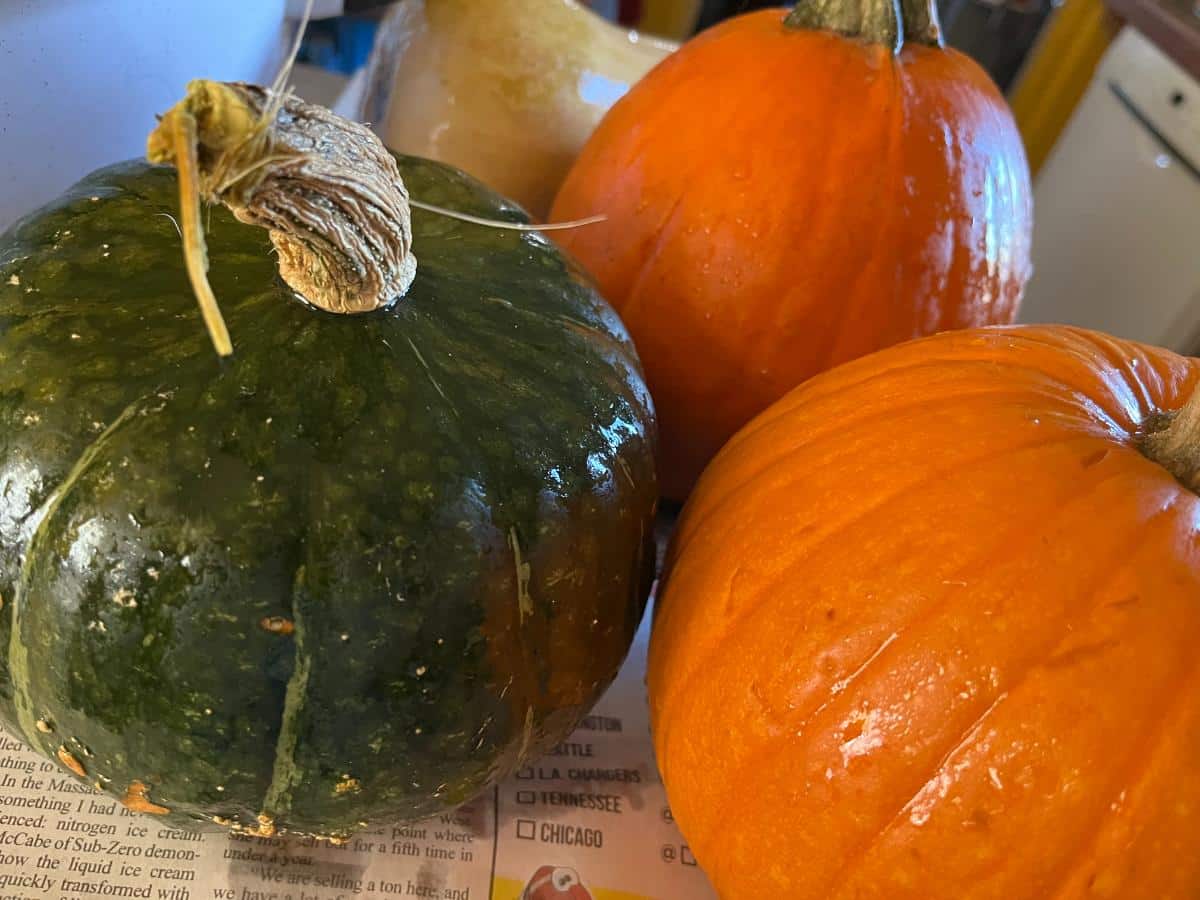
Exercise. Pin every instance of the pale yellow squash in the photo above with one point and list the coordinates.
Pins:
(508, 90)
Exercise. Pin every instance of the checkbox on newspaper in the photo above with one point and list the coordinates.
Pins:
(526, 797)
(685, 856)
(526, 829)
(526, 773)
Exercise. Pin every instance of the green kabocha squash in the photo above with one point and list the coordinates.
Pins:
(361, 568)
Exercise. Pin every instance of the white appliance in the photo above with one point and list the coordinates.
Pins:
(1116, 244)
(81, 80)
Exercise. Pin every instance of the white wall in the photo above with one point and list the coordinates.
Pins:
(81, 80)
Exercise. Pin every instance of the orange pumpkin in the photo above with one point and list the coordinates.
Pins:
(780, 199)
(929, 630)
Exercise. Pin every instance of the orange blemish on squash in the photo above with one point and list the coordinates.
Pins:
(266, 827)
(135, 800)
(335, 840)
(65, 757)
(277, 625)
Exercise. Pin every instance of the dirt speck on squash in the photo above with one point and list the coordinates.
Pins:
(125, 598)
(266, 826)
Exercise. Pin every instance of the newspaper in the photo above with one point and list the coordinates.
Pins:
(588, 822)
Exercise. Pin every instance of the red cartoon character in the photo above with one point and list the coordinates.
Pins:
(555, 883)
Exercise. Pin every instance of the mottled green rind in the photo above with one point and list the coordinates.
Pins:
(366, 477)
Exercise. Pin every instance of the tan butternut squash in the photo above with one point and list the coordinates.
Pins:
(508, 90)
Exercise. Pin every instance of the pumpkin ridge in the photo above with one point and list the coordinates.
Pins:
(818, 214)
(17, 655)
(1036, 661)
(836, 430)
(685, 682)
(1139, 768)
(1128, 377)
(879, 372)
(840, 427)
(1082, 348)
(897, 113)
(629, 307)
(285, 776)
(768, 751)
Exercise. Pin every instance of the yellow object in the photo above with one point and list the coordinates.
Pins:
(508, 90)
(510, 889)
(1058, 72)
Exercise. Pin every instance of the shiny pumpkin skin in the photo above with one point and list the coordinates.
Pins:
(780, 201)
(350, 576)
(929, 628)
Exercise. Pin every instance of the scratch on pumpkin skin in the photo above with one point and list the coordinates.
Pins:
(524, 571)
(136, 800)
(429, 374)
(624, 466)
(65, 757)
(526, 734)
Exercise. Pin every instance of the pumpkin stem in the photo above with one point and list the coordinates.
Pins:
(1176, 445)
(886, 22)
(182, 128)
(327, 191)
(921, 22)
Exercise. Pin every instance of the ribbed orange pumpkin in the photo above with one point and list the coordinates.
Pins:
(930, 629)
(781, 199)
